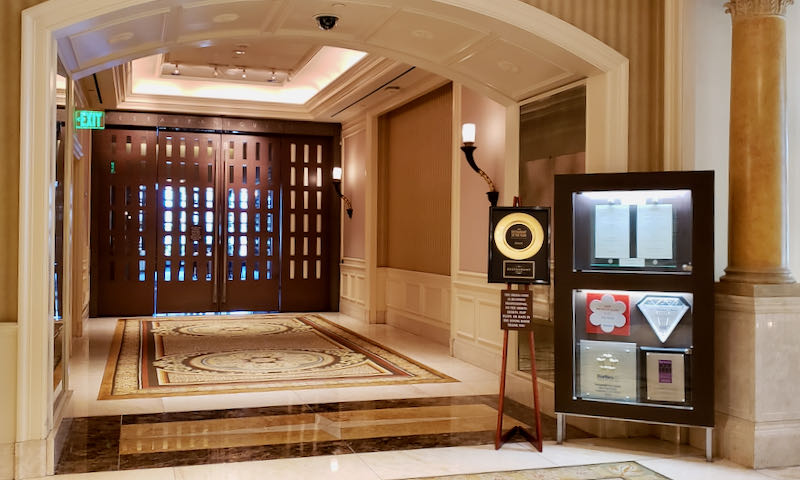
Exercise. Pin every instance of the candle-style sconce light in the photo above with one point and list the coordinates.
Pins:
(337, 185)
(468, 137)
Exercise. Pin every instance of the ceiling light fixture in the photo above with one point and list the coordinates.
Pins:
(216, 72)
(239, 52)
(244, 72)
(176, 71)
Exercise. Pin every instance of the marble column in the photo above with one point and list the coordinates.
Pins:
(757, 321)
(757, 236)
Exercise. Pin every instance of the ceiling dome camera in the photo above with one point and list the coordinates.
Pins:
(326, 21)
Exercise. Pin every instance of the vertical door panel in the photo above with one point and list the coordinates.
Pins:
(123, 206)
(187, 222)
(306, 226)
(250, 223)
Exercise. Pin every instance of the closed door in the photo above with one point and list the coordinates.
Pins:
(251, 223)
(124, 221)
(188, 251)
(204, 222)
(307, 215)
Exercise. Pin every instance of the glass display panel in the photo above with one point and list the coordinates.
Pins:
(633, 347)
(633, 230)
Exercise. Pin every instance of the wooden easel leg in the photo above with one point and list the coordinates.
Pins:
(536, 409)
(498, 436)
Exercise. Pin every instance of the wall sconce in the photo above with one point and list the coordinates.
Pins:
(337, 185)
(468, 137)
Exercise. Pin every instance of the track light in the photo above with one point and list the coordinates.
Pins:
(244, 72)
(176, 71)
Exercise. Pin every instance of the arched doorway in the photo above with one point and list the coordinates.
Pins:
(494, 46)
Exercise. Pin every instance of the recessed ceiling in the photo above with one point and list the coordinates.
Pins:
(313, 74)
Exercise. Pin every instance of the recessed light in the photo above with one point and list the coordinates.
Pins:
(225, 18)
(424, 34)
(120, 37)
(239, 52)
(507, 66)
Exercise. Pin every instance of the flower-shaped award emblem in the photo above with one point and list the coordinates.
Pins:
(607, 313)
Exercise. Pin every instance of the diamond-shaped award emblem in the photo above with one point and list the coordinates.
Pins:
(663, 313)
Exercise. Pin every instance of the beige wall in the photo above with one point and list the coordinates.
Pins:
(355, 153)
(490, 120)
(635, 28)
(10, 32)
(414, 167)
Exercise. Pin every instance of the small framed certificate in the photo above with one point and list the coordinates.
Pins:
(665, 373)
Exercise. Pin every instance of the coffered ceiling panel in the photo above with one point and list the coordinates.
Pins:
(425, 36)
(355, 19)
(259, 52)
(130, 34)
(211, 19)
(510, 68)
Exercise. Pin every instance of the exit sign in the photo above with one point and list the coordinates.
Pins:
(90, 119)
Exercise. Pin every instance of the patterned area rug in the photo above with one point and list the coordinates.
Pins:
(164, 357)
(602, 471)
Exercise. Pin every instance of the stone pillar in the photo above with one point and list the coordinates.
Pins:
(757, 235)
(757, 324)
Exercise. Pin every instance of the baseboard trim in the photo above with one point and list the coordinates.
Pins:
(418, 325)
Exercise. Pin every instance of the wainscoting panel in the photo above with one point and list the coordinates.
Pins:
(354, 292)
(418, 302)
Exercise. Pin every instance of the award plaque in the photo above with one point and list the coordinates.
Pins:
(663, 313)
(665, 377)
(608, 313)
(608, 371)
(519, 245)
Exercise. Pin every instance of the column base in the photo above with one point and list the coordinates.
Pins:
(767, 276)
(757, 398)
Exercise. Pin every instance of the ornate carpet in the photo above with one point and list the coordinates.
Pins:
(164, 357)
(602, 471)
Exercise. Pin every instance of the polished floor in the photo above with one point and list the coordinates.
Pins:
(383, 432)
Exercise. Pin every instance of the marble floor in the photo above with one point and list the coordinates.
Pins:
(381, 432)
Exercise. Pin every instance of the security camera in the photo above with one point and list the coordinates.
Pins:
(326, 21)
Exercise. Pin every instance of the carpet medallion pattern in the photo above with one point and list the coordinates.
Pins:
(163, 357)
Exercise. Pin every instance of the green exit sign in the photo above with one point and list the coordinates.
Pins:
(90, 120)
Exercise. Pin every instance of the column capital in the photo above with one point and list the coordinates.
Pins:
(752, 8)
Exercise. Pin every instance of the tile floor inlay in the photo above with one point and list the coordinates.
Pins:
(604, 471)
(221, 436)
(161, 357)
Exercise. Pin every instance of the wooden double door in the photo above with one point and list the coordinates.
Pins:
(210, 222)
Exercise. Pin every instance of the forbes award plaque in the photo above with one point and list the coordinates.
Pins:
(519, 245)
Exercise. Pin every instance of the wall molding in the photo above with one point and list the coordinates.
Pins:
(418, 302)
(353, 288)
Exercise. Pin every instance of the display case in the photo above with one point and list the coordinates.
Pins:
(634, 300)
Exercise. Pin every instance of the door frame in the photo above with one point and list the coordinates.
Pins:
(607, 148)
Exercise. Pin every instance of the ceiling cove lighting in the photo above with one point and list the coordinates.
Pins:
(152, 76)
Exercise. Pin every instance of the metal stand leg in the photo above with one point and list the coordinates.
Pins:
(709, 444)
(560, 430)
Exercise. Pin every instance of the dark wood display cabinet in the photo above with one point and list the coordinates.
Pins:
(634, 298)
